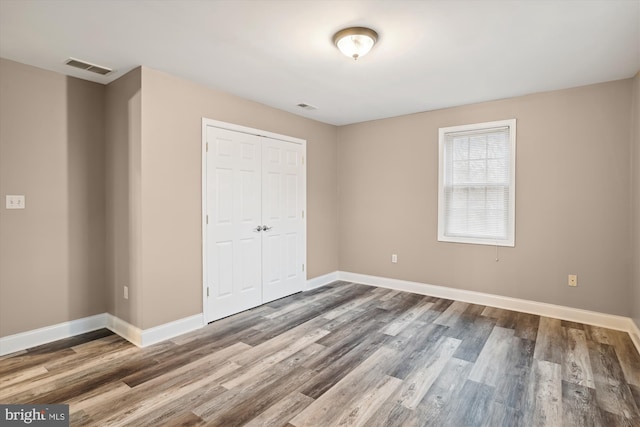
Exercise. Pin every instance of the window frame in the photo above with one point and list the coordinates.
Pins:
(442, 132)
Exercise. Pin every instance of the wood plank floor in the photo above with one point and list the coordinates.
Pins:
(344, 354)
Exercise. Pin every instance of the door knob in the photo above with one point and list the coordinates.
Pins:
(265, 228)
(258, 229)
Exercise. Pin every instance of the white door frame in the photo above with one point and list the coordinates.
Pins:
(233, 127)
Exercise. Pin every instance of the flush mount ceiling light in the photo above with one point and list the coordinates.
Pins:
(355, 42)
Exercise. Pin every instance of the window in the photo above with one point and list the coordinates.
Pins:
(476, 183)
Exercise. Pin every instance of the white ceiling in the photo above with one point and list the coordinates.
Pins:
(430, 54)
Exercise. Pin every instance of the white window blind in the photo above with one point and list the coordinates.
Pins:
(477, 184)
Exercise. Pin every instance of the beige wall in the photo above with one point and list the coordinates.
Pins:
(572, 200)
(103, 216)
(172, 109)
(635, 138)
(51, 150)
(123, 119)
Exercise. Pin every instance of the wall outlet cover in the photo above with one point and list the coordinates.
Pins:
(15, 202)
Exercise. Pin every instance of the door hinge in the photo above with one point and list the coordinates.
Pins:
(207, 149)
(302, 267)
(207, 219)
(302, 214)
(303, 160)
(207, 292)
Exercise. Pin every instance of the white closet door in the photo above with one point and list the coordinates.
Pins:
(234, 209)
(282, 210)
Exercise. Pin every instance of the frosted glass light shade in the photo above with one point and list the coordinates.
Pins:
(355, 42)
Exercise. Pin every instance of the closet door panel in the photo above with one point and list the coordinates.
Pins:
(233, 197)
(282, 256)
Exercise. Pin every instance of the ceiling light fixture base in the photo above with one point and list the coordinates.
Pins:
(355, 42)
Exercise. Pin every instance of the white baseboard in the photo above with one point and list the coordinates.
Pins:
(133, 334)
(36, 337)
(147, 337)
(143, 338)
(126, 330)
(594, 318)
(323, 280)
(634, 332)
(172, 329)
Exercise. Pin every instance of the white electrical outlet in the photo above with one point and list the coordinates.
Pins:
(126, 292)
(394, 258)
(573, 280)
(15, 202)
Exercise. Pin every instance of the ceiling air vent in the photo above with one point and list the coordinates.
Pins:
(88, 66)
(307, 106)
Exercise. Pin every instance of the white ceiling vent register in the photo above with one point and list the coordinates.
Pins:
(98, 69)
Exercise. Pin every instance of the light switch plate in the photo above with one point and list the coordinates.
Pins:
(15, 202)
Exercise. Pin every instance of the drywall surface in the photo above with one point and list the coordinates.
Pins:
(172, 112)
(635, 140)
(123, 133)
(572, 200)
(51, 150)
